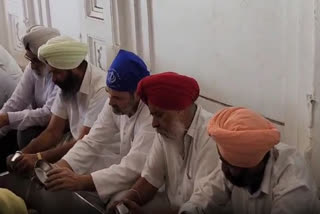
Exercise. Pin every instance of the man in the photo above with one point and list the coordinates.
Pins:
(182, 152)
(10, 74)
(77, 104)
(28, 109)
(110, 158)
(257, 173)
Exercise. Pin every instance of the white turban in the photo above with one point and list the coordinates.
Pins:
(63, 52)
(38, 35)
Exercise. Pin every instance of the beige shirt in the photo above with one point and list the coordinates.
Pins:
(114, 151)
(287, 188)
(83, 109)
(180, 166)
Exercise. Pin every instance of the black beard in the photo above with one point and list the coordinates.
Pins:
(70, 86)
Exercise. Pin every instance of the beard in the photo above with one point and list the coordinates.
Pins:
(70, 86)
(177, 131)
(239, 181)
(124, 111)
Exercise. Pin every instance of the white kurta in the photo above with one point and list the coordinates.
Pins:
(37, 91)
(83, 109)
(114, 151)
(287, 188)
(180, 165)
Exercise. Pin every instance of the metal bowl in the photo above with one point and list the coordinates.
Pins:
(41, 169)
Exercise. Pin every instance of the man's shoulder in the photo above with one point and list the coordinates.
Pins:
(290, 170)
(98, 77)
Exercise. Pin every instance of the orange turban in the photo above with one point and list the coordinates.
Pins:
(243, 137)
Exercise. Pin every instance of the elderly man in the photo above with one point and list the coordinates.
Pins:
(182, 152)
(77, 104)
(110, 158)
(10, 75)
(28, 109)
(257, 173)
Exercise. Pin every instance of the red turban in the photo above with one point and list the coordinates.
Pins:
(168, 90)
(243, 137)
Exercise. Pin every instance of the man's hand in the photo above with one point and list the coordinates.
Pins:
(65, 179)
(4, 120)
(25, 163)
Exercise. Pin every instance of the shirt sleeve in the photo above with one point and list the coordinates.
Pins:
(20, 116)
(95, 105)
(122, 176)
(22, 95)
(59, 107)
(211, 195)
(292, 196)
(7, 87)
(155, 168)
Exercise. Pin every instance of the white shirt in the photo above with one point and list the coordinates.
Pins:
(287, 188)
(83, 108)
(114, 151)
(180, 166)
(9, 66)
(33, 90)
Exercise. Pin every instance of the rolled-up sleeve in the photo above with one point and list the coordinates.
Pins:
(154, 170)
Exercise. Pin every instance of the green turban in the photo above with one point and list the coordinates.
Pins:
(11, 203)
(63, 53)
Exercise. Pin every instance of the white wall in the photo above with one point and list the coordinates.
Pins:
(66, 16)
(315, 158)
(243, 53)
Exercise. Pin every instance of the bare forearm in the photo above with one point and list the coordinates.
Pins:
(87, 183)
(55, 154)
(141, 192)
(44, 141)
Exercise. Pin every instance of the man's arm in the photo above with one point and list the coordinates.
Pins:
(47, 139)
(141, 192)
(55, 154)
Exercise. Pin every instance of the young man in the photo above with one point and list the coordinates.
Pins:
(77, 104)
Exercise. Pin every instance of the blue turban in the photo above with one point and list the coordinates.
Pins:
(125, 72)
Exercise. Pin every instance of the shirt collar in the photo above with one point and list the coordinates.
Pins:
(85, 85)
(194, 124)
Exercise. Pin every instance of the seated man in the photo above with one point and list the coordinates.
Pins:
(10, 74)
(28, 109)
(79, 101)
(257, 173)
(110, 158)
(182, 152)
